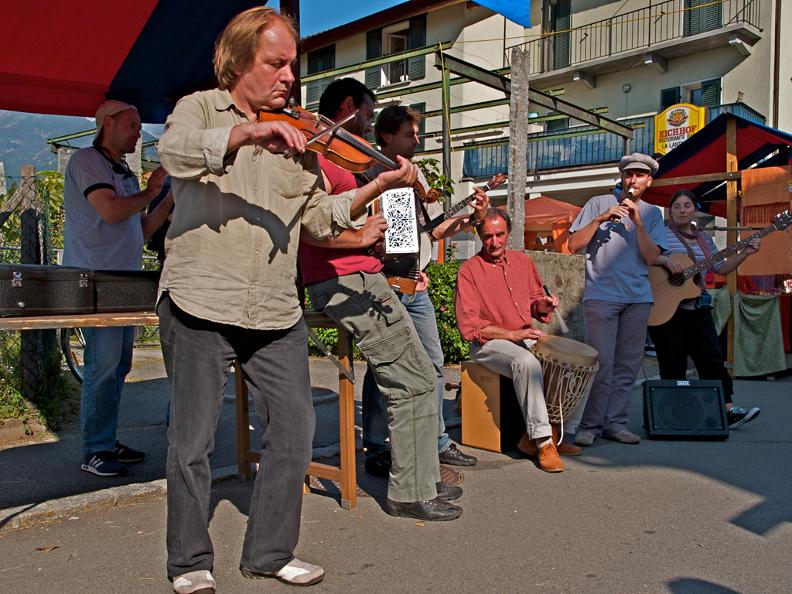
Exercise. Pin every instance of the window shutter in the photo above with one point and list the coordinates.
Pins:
(416, 67)
(703, 15)
(374, 50)
(710, 92)
(562, 22)
(420, 108)
(312, 93)
(669, 97)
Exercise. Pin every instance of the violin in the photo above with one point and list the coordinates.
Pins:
(328, 138)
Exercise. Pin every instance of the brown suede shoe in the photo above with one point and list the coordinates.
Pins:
(528, 447)
(548, 458)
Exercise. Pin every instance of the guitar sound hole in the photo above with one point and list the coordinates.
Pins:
(676, 280)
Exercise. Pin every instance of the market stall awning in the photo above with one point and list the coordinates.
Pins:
(544, 210)
(705, 152)
(65, 57)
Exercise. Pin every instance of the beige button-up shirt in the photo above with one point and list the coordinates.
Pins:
(232, 245)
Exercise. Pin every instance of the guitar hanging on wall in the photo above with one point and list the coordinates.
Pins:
(670, 289)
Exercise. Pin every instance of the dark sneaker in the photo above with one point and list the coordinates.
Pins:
(104, 464)
(737, 415)
(127, 455)
(446, 492)
(455, 457)
(379, 464)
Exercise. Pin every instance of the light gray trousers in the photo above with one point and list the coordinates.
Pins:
(515, 361)
(618, 332)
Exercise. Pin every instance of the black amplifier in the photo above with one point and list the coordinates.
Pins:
(123, 290)
(35, 290)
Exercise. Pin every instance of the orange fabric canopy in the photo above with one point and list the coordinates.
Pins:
(546, 211)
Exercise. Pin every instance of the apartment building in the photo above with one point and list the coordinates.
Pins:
(624, 59)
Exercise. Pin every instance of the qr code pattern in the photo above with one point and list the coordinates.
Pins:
(398, 207)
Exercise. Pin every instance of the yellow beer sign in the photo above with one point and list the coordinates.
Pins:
(676, 124)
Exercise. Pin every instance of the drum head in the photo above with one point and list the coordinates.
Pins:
(567, 350)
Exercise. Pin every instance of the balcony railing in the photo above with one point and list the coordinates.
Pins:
(580, 146)
(638, 29)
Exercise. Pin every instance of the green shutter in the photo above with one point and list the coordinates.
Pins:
(420, 108)
(701, 16)
(710, 92)
(374, 50)
(312, 93)
(416, 67)
(669, 97)
(562, 22)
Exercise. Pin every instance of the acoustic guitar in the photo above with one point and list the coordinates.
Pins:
(670, 289)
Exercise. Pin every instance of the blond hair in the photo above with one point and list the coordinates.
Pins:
(238, 43)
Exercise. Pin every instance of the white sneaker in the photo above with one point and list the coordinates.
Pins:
(195, 582)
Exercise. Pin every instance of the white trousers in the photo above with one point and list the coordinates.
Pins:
(516, 362)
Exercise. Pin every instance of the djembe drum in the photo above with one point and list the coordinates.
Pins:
(568, 367)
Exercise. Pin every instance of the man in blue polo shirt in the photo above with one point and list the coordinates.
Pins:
(105, 228)
(622, 236)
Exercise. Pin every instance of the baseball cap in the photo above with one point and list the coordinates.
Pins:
(109, 108)
(639, 161)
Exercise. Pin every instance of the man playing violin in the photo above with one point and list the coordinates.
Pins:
(397, 134)
(345, 282)
(228, 292)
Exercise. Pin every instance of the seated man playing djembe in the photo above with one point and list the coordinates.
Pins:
(499, 292)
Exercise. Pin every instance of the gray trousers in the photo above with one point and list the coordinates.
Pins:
(198, 356)
(618, 332)
(366, 306)
(515, 361)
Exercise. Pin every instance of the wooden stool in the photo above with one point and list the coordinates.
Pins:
(345, 472)
(491, 416)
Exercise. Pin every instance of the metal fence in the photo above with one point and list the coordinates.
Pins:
(642, 28)
(581, 145)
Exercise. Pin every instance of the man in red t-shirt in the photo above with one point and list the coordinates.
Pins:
(344, 282)
(499, 293)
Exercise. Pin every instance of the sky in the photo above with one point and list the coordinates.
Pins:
(317, 16)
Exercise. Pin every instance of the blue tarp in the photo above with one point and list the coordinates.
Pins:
(518, 12)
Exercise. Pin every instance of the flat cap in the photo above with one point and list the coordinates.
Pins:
(639, 161)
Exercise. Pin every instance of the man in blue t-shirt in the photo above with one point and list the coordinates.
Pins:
(622, 237)
(105, 228)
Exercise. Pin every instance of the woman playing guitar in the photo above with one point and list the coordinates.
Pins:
(691, 330)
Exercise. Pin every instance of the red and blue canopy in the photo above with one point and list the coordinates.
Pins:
(705, 152)
(66, 57)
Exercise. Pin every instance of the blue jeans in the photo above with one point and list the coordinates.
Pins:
(375, 419)
(108, 359)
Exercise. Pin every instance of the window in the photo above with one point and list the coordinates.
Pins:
(704, 94)
(395, 43)
(395, 39)
(319, 61)
(556, 18)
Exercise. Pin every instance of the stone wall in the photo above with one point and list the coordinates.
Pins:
(564, 275)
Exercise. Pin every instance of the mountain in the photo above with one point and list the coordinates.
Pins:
(23, 138)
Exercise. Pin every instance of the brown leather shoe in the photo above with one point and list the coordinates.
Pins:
(548, 458)
(528, 447)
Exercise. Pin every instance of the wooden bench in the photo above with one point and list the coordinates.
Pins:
(344, 473)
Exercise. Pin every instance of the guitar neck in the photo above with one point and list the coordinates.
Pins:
(453, 210)
(725, 253)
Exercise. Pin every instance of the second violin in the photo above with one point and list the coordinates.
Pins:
(327, 138)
